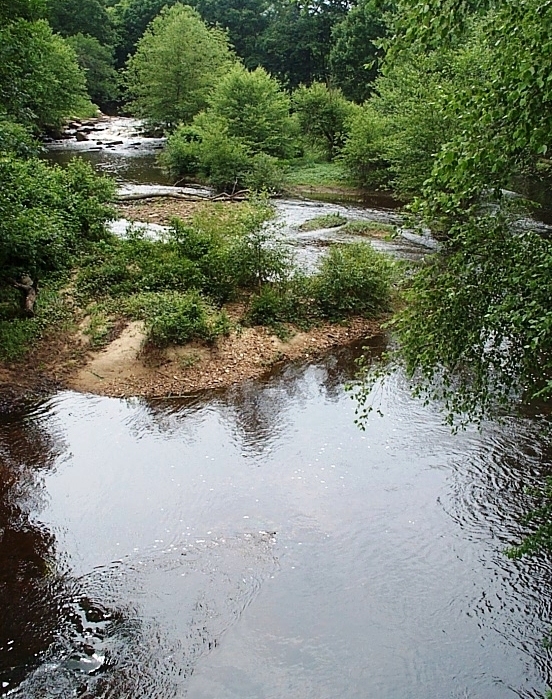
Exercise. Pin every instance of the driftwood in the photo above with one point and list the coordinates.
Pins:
(29, 292)
(156, 195)
(242, 195)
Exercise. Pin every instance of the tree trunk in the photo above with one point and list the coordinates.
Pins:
(29, 292)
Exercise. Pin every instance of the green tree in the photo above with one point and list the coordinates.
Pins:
(40, 80)
(255, 110)
(97, 63)
(70, 17)
(176, 65)
(355, 49)
(323, 114)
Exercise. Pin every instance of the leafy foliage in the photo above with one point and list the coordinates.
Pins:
(475, 332)
(323, 114)
(353, 278)
(47, 214)
(234, 143)
(362, 154)
(255, 110)
(245, 20)
(89, 17)
(40, 80)
(296, 43)
(177, 62)
(96, 61)
(173, 318)
(356, 49)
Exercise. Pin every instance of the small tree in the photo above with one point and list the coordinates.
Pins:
(176, 65)
(323, 113)
(255, 110)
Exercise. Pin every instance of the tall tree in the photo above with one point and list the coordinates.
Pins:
(245, 21)
(69, 17)
(355, 51)
(176, 64)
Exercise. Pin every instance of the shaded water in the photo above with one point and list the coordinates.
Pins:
(254, 544)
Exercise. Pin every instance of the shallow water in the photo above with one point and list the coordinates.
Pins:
(255, 543)
(133, 162)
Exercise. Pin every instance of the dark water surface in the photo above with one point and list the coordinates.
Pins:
(254, 543)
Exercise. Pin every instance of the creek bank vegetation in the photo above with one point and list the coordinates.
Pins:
(219, 285)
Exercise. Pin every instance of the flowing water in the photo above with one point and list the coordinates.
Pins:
(253, 543)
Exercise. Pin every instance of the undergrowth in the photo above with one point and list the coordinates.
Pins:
(178, 286)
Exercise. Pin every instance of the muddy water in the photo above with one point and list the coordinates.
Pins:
(254, 544)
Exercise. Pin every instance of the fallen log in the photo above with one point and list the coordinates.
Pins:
(156, 195)
(223, 196)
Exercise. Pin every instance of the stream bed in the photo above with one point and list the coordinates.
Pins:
(253, 543)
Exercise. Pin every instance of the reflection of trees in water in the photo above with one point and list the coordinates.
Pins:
(28, 586)
(45, 619)
(258, 411)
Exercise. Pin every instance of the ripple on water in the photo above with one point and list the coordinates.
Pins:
(137, 627)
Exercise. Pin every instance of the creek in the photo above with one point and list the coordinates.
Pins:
(253, 543)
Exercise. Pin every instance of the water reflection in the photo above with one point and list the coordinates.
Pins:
(28, 579)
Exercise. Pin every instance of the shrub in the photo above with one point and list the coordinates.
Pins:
(225, 161)
(352, 278)
(173, 318)
(49, 214)
(16, 140)
(290, 301)
(362, 154)
(128, 266)
(265, 174)
(207, 150)
(258, 258)
(182, 153)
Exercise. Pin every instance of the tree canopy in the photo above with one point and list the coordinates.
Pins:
(40, 80)
(176, 65)
(476, 331)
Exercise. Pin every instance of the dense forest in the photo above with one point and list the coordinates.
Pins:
(445, 103)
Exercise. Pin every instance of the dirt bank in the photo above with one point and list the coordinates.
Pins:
(124, 369)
